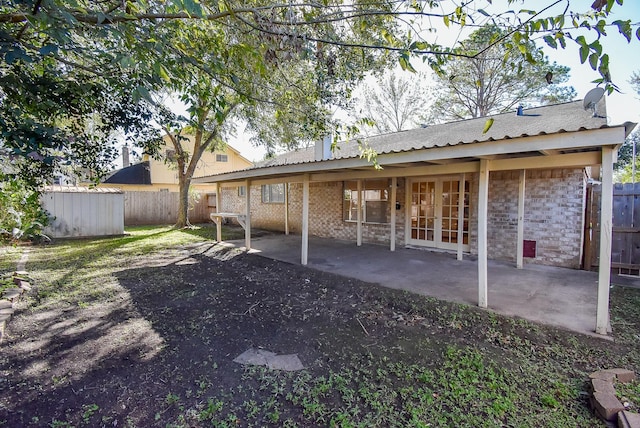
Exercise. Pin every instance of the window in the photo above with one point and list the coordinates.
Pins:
(273, 193)
(211, 200)
(375, 206)
(222, 158)
(242, 191)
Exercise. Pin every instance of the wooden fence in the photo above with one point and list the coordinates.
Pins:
(625, 242)
(146, 208)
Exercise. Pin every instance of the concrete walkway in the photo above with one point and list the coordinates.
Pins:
(560, 297)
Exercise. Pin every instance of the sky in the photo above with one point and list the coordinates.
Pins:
(624, 59)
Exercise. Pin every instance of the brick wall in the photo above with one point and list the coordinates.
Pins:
(553, 214)
(325, 213)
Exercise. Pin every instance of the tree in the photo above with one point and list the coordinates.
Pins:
(395, 102)
(280, 90)
(626, 153)
(98, 64)
(635, 81)
(623, 168)
(624, 171)
(496, 79)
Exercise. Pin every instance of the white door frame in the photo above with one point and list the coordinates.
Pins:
(437, 238)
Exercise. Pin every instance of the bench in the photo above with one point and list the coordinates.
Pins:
(218, 217)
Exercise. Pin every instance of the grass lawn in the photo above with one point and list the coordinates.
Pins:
(141, 331)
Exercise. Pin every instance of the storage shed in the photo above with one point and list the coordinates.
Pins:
(78, 212)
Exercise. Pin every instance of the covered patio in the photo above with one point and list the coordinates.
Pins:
(454, 163)
(561, 297)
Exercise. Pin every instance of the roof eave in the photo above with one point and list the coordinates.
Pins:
(581, 139)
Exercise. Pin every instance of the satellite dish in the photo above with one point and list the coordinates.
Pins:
(591, 100)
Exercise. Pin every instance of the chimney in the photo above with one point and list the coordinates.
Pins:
(125, 156)
(520, 111)
(323, 148)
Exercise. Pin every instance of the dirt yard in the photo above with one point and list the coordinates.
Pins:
(149, 340)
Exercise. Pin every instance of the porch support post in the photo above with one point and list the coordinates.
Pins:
(218, 210)
(247, 228)
(407, 210)
(483, 204)
(460, 216)
(305, 220)
(359, 215)
(520, 238)
(606, 219)
(286, 208)
(392, 231)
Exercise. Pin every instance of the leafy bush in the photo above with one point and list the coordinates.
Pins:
(21, 215)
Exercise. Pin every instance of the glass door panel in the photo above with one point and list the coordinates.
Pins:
(435, 209)
(423, 211)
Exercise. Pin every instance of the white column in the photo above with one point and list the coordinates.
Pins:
(483, 203)
(520, 238)
(606, 220)
(247, 229)
(460, 216)
(407, 210)
(392, 231)
(286, 208)
(218, 210)
(359, 215)
(305, 221)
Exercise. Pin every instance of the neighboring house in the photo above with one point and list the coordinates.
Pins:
(515, 192)
(160, 176)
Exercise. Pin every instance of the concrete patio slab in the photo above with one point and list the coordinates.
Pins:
(560, 297)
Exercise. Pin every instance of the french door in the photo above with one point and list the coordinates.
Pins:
(438, 205)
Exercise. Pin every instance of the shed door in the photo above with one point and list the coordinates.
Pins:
(435, 208)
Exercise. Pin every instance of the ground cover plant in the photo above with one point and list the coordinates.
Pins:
(141, 331)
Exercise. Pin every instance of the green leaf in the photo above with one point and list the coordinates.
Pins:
(193, 8)
(126, 62)
(609, 5)
(405, 64)
(529, 58)
(600, 28)
(161, 71)
(487, 125)
(584, 53)
(483, 12)
(624, 27)
(47, 49)
(562, 41)
(446, 20)
(101, 18)
(142, 92)
(545, 24)
(551, 41)
(419, 46)
(593, 60)
(388, 37)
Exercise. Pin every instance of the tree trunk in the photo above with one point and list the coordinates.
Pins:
(183, 202)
